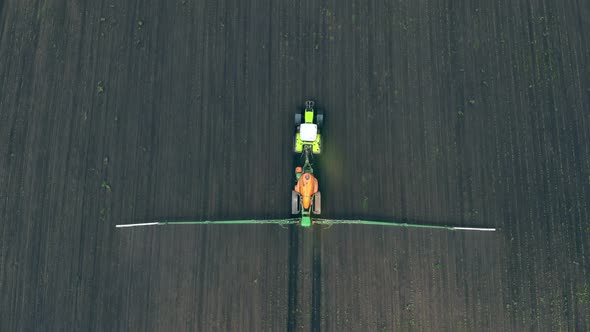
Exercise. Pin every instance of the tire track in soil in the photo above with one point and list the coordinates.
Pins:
(316, 287)
(293, 268)
(1, 20)
(295, 288)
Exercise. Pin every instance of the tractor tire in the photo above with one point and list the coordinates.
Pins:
(295, 202)
(317, 203)
(298, 119)
(319, 119)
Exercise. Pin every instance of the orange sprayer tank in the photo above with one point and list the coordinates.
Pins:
(306, 186)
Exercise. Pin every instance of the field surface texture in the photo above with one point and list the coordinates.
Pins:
(450, 112)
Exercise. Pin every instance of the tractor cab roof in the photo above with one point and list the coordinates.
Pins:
(308, 132)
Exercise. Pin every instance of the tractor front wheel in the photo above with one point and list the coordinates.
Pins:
(297, 119)
(319, 119)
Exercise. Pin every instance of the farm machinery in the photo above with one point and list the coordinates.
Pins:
(305, 195)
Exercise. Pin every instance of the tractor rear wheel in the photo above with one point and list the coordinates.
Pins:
(295, 202)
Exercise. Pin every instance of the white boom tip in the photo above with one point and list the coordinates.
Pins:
(137, 225)
(475, 229)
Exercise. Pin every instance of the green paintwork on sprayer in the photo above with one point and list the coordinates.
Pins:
(305, 221)
(232, 222)
(379, 223)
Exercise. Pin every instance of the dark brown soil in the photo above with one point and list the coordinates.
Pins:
(443, 112)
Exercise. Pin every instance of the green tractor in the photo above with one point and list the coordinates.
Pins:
(309, 124)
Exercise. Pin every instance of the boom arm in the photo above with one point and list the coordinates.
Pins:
(214, 222)
(383, 223)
